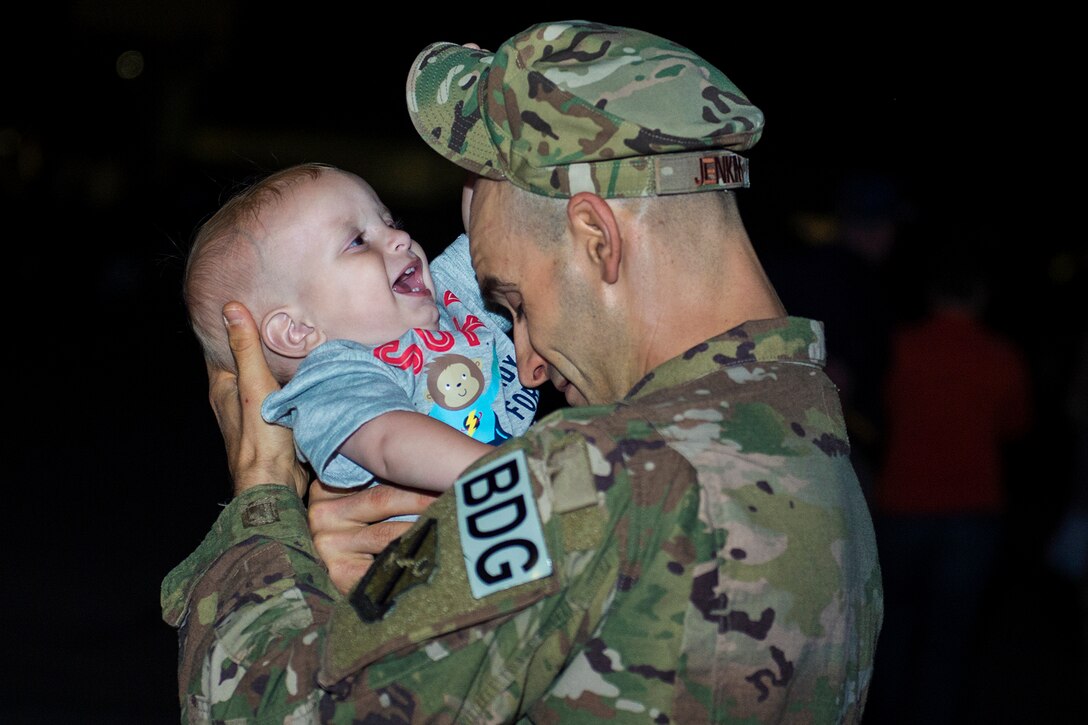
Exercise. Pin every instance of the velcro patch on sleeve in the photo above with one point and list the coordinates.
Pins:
(571, 477)
(395, 571)
(502, 539)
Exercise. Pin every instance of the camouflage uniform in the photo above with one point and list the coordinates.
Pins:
(712, 561)
(697, 552)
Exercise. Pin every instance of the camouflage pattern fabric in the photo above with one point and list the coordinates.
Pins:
(580, 106)
(713, 560)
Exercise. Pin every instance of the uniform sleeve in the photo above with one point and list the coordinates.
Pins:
(452, 270)
(469, 616)
(249, 604)
(339, 387)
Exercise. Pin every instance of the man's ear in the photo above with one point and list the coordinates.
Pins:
(595, 230)
(286, 336)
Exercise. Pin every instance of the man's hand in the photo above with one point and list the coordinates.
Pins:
(342, 527)
(257, 452)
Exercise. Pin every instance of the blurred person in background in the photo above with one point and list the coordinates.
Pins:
(956, 394)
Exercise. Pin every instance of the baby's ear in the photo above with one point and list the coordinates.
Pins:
(286, 336)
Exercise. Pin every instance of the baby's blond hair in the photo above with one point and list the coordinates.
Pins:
(223, 263)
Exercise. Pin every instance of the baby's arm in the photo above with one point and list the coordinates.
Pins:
(412, 449)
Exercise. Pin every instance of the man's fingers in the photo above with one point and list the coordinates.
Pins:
(343, 528)
(345, 572)
(332, 512)
(320, 492)
(376, 537)
(255, 379)
(223, 396)
(347, 553)
(257, 452)
(381, 502)
(345, 577)
(241, 327)
(328, 511)
(360, 543)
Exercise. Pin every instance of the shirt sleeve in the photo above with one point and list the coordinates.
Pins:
(452, 270)
(339, 387)
(263, 636)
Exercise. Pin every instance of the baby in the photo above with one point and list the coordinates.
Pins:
(392, 368)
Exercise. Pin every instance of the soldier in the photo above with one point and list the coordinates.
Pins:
(688, 543)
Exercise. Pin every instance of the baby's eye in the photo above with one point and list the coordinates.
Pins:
(394, 223)
(359, 241)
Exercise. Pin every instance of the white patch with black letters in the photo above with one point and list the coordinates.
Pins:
(501, 537)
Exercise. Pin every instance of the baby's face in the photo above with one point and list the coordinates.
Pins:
(353, 273)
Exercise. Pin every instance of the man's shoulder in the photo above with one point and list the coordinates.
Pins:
(603, 453)
(590, 423)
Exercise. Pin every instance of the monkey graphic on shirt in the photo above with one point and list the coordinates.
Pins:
(462, 397)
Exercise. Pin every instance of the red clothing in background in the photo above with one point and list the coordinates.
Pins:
(955, 393)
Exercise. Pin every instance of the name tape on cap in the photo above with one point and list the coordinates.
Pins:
(700, 171)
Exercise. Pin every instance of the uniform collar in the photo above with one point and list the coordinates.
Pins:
(782, 339)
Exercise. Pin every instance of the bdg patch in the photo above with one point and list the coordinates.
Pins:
(501, 537)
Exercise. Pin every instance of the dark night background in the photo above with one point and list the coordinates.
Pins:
(110, 159)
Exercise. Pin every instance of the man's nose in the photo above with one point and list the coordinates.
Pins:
(532, 368)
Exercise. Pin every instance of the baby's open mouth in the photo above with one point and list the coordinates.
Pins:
(410, 281)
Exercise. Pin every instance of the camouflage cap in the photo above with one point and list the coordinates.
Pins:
(573, 106)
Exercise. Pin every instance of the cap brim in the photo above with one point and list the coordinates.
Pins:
(443, 101)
